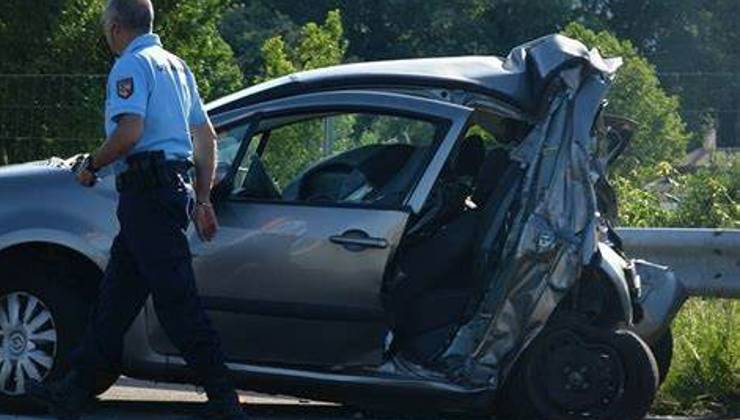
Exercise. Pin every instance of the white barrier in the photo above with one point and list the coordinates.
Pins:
(705, 261)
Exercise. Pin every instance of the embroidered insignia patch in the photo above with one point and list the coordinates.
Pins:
(125, 87)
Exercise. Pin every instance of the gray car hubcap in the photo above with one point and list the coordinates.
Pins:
(29, 341)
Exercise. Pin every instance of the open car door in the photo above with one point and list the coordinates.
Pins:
(314, 203)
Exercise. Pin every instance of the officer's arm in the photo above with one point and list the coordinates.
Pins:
(123, 139)
(204, 155)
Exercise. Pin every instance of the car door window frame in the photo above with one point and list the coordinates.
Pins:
(449, 119)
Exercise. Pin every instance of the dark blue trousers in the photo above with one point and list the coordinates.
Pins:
(150, 255)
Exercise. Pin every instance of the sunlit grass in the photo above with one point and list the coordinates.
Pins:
(705, 375)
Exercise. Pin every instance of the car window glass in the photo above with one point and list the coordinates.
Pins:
(358, 158)
(227, 147)
(228, 143)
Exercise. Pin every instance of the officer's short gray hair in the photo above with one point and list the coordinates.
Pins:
(135, 15)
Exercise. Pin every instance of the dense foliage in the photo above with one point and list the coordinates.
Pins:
(679, 80)
(637, 94)
(693, 43)
(64, 38)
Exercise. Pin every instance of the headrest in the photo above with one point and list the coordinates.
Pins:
(470, 158)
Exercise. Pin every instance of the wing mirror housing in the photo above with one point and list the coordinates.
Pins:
(615, 132)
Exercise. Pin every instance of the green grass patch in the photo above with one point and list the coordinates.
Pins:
(705, 375)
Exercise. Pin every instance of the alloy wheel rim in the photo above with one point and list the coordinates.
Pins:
(28, 343)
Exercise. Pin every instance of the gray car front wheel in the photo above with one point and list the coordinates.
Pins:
(41, 322)
(29, 341)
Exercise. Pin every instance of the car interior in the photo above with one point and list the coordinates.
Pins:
(378, 174)
(435, 278)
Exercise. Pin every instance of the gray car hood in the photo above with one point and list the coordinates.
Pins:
(53, 173)
(40, 170)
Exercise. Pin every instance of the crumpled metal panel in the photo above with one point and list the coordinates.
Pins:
(554, 233)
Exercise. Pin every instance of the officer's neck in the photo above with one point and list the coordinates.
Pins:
(126, 39)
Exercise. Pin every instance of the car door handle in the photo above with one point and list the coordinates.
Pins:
(356, 240)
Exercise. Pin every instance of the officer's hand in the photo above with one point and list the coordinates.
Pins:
(205, 221)
(86, 178)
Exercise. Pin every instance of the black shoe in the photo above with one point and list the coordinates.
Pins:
(64, 399)
(224, 407)
(223, 404)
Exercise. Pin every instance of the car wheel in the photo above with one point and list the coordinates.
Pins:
(663, 352)
(580, 372)
(40, 323)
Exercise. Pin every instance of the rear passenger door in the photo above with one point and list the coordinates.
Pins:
(312, 209)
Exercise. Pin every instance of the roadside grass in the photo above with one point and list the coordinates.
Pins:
(705, 374)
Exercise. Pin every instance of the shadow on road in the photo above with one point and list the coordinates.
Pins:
(188, 410)
(184, 410)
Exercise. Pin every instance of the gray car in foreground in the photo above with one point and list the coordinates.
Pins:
(428, 234)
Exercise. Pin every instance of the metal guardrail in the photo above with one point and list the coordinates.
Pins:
(705, 261)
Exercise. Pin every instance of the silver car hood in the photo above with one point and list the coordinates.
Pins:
(31, 168)
(48, 175)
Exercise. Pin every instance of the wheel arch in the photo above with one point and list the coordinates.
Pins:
(611, 268)
(60, 260)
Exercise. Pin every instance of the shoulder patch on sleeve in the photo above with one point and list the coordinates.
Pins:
(125, 87)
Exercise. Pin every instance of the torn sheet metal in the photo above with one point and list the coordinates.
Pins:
(553, 234)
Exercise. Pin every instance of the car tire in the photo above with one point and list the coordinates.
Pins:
(49, 320)
(568, 371)
(642, 375)
(663, 352)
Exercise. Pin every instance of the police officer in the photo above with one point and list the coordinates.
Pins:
(152, 108)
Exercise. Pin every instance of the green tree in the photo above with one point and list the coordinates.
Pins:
(318, 46)
(247, 26)
(385, 29)
(694, 45)
(64, 37)
(637, 94)
(189, 28)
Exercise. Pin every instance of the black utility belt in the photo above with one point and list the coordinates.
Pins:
(149, 177)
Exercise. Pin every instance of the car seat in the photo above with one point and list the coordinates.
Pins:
(438, 276)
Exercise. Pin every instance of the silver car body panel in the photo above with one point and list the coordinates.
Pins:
(614, 268)
(557, 82)
(390, 379)
(554, 233)
(519, 79)
(274, 267)
(41, 202)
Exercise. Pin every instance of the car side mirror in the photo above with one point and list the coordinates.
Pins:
(615, 132)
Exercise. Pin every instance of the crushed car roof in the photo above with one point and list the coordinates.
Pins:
(519, 79)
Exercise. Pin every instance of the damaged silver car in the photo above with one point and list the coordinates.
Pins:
(429, 234)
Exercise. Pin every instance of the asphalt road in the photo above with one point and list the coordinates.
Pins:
(132, 399)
